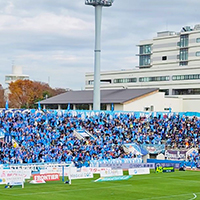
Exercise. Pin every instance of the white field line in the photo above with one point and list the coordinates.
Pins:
(177, 195)
(195, 196)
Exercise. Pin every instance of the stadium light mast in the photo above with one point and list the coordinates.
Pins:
(98, 4)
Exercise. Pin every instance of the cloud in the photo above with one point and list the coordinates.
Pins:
(56, 38)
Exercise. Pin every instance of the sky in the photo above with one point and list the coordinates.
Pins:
(53, 41)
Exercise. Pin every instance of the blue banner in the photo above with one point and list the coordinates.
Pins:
(165, 163)
(135, 148)
(154, 148)
(113, 178)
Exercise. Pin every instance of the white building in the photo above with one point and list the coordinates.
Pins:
(16, 75)
(117, 99)
(170, 61)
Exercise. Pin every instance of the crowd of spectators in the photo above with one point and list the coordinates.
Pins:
(44, 136)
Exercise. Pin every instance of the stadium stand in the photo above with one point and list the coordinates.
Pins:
(48, 136)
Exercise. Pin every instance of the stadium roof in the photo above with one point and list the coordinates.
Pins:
(107, 96)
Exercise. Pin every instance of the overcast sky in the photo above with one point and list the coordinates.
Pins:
(54, 40)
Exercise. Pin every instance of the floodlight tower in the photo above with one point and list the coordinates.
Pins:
(98, 4)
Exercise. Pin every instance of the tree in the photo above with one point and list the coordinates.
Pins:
(2, 97)
(26, 93)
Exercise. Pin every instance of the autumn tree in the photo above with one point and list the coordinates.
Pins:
(25, 93)
(2, 97)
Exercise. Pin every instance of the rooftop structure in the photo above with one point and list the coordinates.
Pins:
(113, 99)
(16, 75)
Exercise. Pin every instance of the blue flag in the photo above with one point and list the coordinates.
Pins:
(112, 107)
(68, 106)
(6, 106)
(39, 106)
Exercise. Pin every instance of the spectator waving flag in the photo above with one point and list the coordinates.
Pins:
(6, 106)
(68, 106)
(112, 107)
(39, 106)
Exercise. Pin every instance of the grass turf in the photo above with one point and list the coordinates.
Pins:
(181, 185)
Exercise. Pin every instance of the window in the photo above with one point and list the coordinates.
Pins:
(104, 81)
(197, 40)
(82, 106)
(184, 54)
(198, 53)
(125, 80)
(166, 91)
(184, 41)
(183, 63)
(145, 49)
(151, 79)
(145, 60)
(130, 80)
(186, 77)
(103, 106)
(91, 82)
(120, 80)
(192, 91)
(195, 76)
(164, 58)
(146, 109)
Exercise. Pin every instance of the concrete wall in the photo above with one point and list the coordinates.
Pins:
(157, 101)
(192, 105)
(118, 107)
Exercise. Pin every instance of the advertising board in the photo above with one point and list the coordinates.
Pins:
(175, 155)
(95, 170)
(111, 172)
(168, 164)
(15, 180)
(114, 178)
(6, 175)
(128, 165)
(138, 171)
(81, 175)
(46, 177)
(165, 169)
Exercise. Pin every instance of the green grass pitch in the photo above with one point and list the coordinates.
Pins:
(179, 185)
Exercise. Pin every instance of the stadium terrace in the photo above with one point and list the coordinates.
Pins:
(33, 136)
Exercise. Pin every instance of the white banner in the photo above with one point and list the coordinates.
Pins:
(81, 175)
(15, 180)
(137, 171)
(95, 170)
(58, 170)
(8, 175)
(111, 172)
(75, 171)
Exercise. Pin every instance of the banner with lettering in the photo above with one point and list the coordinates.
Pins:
(175, 154)
(154, 148)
